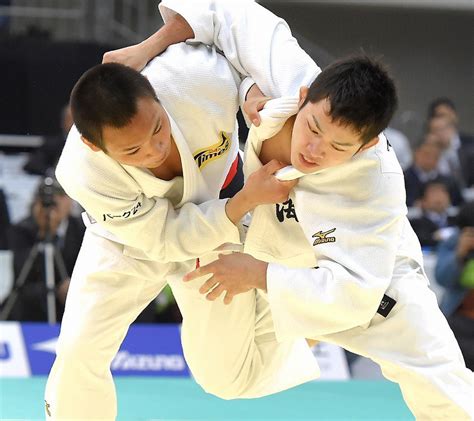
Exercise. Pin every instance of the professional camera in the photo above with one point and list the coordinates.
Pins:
(48, 188)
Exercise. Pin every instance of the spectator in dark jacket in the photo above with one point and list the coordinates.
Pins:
(425, 169)
(434, 224)
(458, 148)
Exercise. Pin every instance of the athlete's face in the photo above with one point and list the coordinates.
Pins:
(145, 141)
(318, 142)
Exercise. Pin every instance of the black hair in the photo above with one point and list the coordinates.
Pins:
(437, 102)
(361, 94)
(437, 182)
(106, 95)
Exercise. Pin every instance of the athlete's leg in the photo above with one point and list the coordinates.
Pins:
(415, 348)
(104, 298)
(232, 350)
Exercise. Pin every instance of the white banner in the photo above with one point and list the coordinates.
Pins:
(13, 356)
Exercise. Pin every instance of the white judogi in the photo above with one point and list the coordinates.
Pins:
(344, 244)
(258, 44)
(143, 232)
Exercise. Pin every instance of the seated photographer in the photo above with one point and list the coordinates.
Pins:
(455, 271)
(50, 202)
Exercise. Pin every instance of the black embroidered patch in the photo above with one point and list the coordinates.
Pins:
(386, 305)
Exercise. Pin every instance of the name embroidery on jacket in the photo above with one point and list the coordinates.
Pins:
(125, 215)
(322, 237)
(206, 155)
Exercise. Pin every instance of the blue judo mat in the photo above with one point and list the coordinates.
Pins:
(163, 399)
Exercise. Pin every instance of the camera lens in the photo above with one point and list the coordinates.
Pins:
(47, 190)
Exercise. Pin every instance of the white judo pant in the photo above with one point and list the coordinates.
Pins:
(231, 349)
(416, 348)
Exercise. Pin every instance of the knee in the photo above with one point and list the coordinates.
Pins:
(221, 390)
(76, 351)
(219, 384)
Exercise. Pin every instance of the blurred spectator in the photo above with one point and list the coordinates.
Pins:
(47, 155)
(401, 146)
(424, 170)
(443, 132)
(434, 224)
(455, 271)
(4, 221)
(443, 107)
(458, 148)
(67, 232)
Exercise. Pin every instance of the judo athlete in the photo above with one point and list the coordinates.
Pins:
(147, 160)
(339, 261)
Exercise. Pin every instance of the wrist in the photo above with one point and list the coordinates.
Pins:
(262, 276)
(244, 201)
(237, 206)
(254, 92)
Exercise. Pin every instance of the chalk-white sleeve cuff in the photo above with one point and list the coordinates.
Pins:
(230, 232)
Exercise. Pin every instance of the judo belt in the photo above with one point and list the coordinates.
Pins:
(386, 305)
(234, 180)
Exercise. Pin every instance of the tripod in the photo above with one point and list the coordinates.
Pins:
(51, 255)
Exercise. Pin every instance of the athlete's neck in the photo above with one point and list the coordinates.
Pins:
(279, 146)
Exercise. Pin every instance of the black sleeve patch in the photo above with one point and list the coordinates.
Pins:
(386, 305)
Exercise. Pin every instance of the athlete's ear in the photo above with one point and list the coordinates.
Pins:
(370, 143)
(303, 94)
(90, 144)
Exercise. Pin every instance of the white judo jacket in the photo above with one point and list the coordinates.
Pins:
(336, 246)
(177, 220)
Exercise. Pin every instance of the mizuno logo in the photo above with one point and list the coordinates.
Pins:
(322, 237)
(125, 361)
(209, 154)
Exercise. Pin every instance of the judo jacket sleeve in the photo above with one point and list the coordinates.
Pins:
(150, 226)
(257, 43)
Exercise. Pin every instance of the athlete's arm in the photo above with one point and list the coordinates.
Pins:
(355, 262)
(257, 43)
(175, 30)
(254, 102)
(151, 227)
